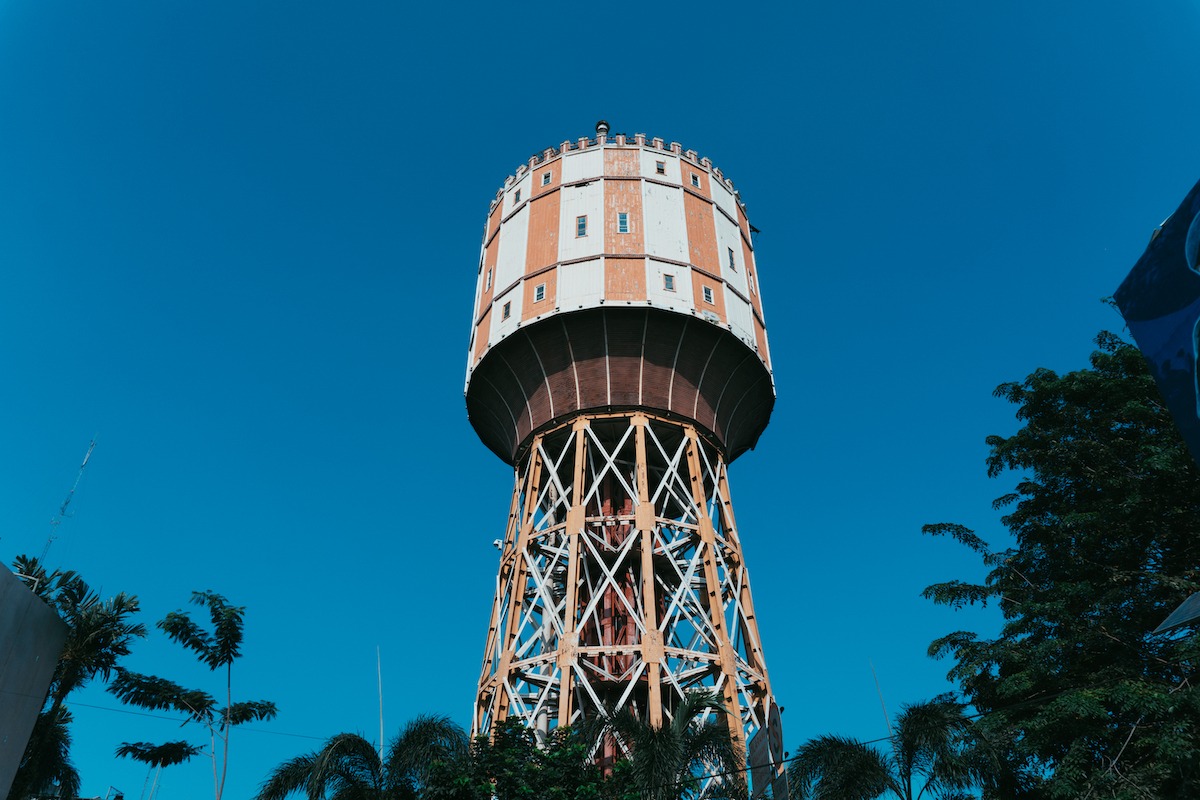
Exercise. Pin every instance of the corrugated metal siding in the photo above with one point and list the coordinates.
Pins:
(666, 230)
(582, 164)
(513, 240)
(580, 285)
(579, 201)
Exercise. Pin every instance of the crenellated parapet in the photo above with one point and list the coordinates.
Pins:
(617, 140)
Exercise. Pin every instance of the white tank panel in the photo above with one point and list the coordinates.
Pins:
(580, 285)
(581, 201)
(501, 326)
(650, 159)
(681, 299)
(510, 260)
(578, 165)
(730, 238)
(518, 193)
(722, 196)
(666, 227)
(737, 312)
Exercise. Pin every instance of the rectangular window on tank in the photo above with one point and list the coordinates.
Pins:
(669, 282)
(732, 263)
(581, 226)
(695, 180)
(507, 312)
(660, 167)
(539, 293)
(708, 295)
(488, 287)
(622, 222)
(545, 179)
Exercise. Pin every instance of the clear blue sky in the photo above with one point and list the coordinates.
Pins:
(234, 237)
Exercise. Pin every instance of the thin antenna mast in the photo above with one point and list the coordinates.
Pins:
(882, 705)
(62, 510)
(379, 675)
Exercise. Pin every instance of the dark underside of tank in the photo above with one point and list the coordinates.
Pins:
(613, 359)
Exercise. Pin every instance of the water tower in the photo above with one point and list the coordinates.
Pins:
(618, 361)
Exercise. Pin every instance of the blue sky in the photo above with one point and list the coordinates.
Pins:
(238, 246)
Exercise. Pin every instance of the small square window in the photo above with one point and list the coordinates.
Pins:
(489, 281)
(545, 179)
(507, 311)
(581, 226)
(660, 167)
(668, 282)
(539, 293)
(517, 196)
(695, 180)
(732, 263)
(622, 222)
(708, 295)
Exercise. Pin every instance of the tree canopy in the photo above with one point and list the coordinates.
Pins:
(1078, 695)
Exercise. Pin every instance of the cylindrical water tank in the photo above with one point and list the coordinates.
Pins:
(618, 272)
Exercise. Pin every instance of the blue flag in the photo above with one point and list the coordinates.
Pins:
(1160, 300)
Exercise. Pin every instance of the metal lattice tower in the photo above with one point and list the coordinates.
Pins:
(619, 362)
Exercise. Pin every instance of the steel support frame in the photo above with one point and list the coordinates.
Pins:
(621, 582)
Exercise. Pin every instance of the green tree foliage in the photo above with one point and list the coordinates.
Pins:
(933, 754)
(348, 767)
(1078, 696)
(217, 649)
(678, 759)
(512, 766)
(99, 634)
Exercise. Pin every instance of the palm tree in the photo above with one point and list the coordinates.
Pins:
(672, 761)
(930, 756)
(348, 767)
(99, 634)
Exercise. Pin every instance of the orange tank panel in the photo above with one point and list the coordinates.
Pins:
(622, 163)
(555, 170)
(482, 330)
(624, 279)
(717, 306)
(494, 220)
(701, 233)
(542, 247)
(689, 169)
(533, 307)
(623, 197)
